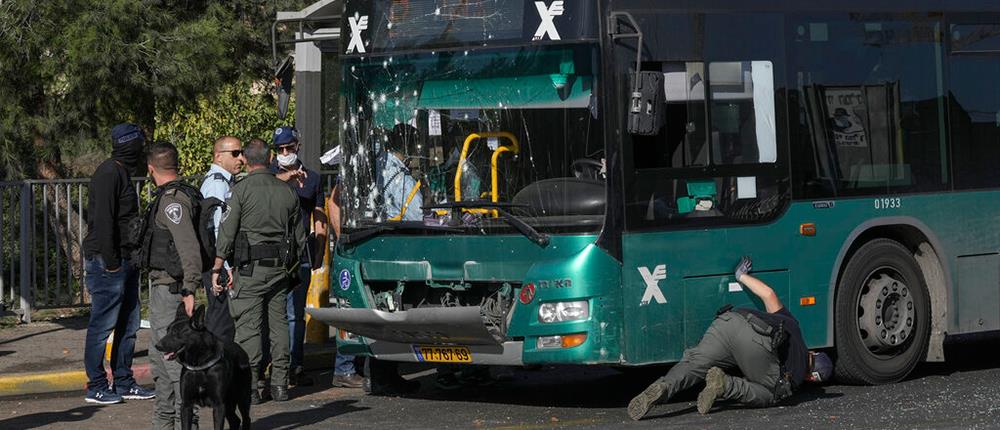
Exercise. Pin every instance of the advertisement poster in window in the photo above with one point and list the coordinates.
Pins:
(847, 111)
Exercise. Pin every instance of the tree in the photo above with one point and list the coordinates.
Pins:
(238, 109)
(71, 69)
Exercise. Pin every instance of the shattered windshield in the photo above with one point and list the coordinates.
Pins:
(517, 126)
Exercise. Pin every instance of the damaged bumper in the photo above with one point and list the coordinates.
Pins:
(454, 325)
(393, 335)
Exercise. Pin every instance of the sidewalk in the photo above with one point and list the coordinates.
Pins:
(47, 357)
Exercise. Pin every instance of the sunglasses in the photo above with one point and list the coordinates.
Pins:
(234, 152)
(287, 148)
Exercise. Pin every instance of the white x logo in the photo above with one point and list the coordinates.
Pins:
(547, 27)
(653, 284)
(358, 24)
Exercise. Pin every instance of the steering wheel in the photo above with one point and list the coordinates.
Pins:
(586, 168)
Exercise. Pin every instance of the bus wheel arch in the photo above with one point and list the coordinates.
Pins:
(905, 245)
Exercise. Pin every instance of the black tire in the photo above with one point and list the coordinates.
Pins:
(862, 357)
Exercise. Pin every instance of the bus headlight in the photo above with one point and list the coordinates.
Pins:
(563, 311)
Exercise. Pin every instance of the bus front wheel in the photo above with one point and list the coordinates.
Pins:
(882, 315)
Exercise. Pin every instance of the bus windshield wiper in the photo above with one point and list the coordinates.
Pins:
(541, 239)
(348, 239)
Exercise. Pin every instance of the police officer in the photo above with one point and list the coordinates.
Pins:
(262, 233)
(227, 161)
(766, 347)
(172, 253)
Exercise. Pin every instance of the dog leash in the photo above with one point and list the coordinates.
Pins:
(203, 366)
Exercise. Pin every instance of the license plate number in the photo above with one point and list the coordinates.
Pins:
(442, 354)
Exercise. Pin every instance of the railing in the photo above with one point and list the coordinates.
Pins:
(44, 224)
(42, 227)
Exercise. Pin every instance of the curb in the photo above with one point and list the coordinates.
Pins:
(19, 384)
(57, 382)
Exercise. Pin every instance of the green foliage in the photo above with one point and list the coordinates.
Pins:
(71, 69)
(238, 109)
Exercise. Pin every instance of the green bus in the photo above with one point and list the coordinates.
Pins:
(588, 173)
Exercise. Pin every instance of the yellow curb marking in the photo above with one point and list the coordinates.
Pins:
(42, 382)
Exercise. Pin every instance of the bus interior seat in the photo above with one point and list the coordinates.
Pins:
(563, 196)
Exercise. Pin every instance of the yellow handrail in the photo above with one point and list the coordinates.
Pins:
(406, 204)
(494, 169)
(515, 147)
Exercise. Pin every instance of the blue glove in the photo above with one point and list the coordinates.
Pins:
(743, 267)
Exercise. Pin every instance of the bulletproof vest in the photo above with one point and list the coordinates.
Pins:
(158, 250)
(162, 251)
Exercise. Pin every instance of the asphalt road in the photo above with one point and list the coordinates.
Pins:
(962, 393)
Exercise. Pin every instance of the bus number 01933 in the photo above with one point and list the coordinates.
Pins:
(888, 203)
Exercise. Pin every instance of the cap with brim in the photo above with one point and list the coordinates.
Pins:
(284, 136)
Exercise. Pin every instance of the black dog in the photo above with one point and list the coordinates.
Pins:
(215, 374)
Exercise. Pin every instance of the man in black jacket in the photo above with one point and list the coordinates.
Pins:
(111, 280)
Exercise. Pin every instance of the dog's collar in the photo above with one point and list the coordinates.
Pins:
(210, 363)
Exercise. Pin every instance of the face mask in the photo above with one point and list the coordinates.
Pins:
(130, 155)
(287, 159)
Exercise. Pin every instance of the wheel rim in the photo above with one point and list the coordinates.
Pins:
(886, 312)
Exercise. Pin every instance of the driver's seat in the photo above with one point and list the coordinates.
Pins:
(563, 196)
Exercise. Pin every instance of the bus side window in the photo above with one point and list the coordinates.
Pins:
(871, 114)
(974, 63)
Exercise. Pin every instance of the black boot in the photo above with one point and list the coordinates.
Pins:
(297, 378)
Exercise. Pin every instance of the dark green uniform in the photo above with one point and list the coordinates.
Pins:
(266, 211)
(766, 348)
(172, 218)
(732, 343)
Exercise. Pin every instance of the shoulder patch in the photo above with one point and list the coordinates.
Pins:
(225, 213)
(174, 212)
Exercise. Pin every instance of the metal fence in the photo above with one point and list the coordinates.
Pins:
(42, 227)
(44, 224)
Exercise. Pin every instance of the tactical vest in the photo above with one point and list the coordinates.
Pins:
(158, 251)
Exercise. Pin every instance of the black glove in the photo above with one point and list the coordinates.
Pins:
(743, 267)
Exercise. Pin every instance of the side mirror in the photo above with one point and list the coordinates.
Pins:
(283, 81)
(645, 115)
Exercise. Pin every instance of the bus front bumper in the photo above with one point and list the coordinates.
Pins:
(394, 336)
(453, 325)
